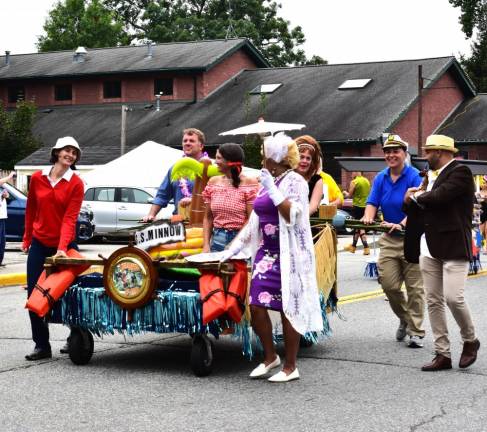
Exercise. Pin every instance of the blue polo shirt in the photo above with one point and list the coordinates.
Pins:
(389, 196)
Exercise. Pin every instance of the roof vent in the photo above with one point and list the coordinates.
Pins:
(265, 88)
(149, 50)
(80, 55)
(7, 58)
(354, 84)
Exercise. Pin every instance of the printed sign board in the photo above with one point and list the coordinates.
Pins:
(160, 233)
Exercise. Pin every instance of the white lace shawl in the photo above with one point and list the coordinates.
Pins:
(300, 298)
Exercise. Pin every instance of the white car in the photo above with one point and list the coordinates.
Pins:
(116, 208)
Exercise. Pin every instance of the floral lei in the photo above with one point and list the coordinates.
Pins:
(183, 183)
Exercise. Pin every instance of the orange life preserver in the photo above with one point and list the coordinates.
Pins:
(212, 296)
(237, 290)
(49, 289)
(216, 301)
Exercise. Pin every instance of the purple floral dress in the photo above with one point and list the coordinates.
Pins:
(265, 287)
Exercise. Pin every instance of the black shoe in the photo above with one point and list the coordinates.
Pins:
(38, 354)
(65, 349)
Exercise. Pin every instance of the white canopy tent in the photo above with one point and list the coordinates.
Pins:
(145, 166)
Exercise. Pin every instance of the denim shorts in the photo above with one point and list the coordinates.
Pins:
(220, 238)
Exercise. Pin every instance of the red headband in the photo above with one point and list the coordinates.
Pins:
(238, 165)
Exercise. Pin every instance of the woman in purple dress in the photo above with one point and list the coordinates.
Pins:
(278, 236)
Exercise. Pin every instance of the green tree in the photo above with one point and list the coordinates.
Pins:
(474, 19)
(476, 64)
(187, 20)
(473, 12)
(86, 23)
(16, 138)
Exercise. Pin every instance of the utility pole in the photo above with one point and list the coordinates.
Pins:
(123, 133)
(420, 109)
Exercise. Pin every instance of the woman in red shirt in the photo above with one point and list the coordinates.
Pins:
(53, 204)
(228, 198)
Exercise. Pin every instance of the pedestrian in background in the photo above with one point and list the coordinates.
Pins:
(387, 193)
(359, 191)
(3, 214)
(53, 205)
(445, 204)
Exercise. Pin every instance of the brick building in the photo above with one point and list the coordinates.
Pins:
(220, 85)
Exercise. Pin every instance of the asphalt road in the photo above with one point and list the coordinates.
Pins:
(360, 379)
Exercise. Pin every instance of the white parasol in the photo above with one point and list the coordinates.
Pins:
(262, 127)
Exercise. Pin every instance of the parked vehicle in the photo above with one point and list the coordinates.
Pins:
(16, 204)
(116, 208)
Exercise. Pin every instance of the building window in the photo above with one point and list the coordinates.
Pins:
(16, 93)
(63, 92)
(354, 84)
(265, 88)
(163, 86)
(112, 89)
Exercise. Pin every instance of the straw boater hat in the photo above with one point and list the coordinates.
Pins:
(395, 141)
(440, 142)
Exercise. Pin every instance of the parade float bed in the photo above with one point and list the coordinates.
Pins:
(175, 307)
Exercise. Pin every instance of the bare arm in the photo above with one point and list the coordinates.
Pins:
(207, 228)
(316, 197)
(369, 214)
(152, 213)
(351, 189)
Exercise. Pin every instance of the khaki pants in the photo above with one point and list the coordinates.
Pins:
(444, 282)
(393, 271)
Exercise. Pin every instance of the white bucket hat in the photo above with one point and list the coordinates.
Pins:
(65, 142)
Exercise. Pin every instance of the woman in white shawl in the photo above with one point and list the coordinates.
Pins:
(278, 238)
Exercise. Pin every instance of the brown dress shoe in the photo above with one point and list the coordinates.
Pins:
(440, 362)
(469, 353)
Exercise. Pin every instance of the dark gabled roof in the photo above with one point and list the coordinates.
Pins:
(182, 56)
(309, 95)
(468, 124)
(97, 128)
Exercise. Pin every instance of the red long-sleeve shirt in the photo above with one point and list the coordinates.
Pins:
(52, 212)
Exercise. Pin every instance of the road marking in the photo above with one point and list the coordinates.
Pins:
(369, 295)
(13, 279)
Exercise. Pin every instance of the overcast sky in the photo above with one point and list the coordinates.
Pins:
(341, 31)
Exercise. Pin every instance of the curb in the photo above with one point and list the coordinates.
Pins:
(13, 279)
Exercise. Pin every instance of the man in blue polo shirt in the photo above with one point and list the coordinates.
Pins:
(387, 193)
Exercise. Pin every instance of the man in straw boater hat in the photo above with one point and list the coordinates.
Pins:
(444, 206)
(387, 193)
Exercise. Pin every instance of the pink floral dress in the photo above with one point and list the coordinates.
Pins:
(265, 287)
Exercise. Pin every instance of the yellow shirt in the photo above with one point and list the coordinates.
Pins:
(334, 191)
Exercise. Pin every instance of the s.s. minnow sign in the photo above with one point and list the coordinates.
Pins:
(160, 233)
